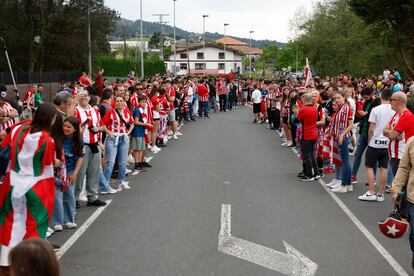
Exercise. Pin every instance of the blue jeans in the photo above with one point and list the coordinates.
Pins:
(346, 165)
(411, 221)
(64, 208)
(190, 111)
(103, 182)
(212, 103)
(362, 145)
(201, 106)
(117, 145)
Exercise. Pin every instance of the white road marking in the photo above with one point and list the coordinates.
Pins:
(385, 254)
(291, 263)
(65, 247)
(227, 182)
(377, 245)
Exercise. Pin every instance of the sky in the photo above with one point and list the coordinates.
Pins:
(269, 19)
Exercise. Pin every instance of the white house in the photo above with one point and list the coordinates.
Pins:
(217, 61)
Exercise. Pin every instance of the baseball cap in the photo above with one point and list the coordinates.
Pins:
(3, 95)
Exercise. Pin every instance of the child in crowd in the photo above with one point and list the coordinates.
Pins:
(138, 134)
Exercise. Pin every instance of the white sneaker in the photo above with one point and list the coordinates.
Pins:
(128, 170)
(289, 144)
(280, 134)
(368, 197)
(69, 225)
(349, 188)
(149, 146)
(125, 185)
(57, 228)
(340, 190)
(332, 183)
(49, 232)
(155, 149)
(284, 143)
(131, 159)
(380, 198)
(178, 133)
(82, 197)
(111, 191)
(165, 140)
(175, 137)
(337, 185)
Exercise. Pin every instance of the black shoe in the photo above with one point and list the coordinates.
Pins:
(78, 206)
(301, 174)
(192, 119)
(292, 146)
(387, 189)
(316, 176)
(146, 165)
(207, 116)
(307, 178)
(97, 203)
(56, 247)
(136, 167)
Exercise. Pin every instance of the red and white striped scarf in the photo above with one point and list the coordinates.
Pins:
(331, 150)
(143, 112)
(339, 122)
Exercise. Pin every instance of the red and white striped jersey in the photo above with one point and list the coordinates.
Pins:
(401, 123)
(134, 101)
(94, 121)
(114, 123)
(7, 108)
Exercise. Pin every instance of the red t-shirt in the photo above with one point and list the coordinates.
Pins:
(405, 124)
(308, 116)
(171, 93)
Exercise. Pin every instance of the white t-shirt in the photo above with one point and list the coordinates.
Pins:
(352, 104)
(257, 96)
(381, 116)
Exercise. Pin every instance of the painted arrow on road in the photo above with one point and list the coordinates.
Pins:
(292, 263)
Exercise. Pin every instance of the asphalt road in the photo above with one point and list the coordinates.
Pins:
(168, 224)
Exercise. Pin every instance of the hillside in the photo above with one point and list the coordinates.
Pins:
(132, 28)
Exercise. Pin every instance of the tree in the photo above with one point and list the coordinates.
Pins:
(52, 34)
(396, 20)
(155, 41)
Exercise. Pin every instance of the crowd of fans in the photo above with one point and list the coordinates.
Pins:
(54, 156)
(329, 120)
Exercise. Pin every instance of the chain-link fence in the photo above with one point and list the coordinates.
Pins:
(49, 80)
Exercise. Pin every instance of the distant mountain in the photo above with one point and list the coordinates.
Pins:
(132, 29)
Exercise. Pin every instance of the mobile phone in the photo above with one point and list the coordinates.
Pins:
(85, 123)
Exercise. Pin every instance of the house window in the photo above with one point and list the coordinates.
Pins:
(221, 55)
(183, 66)
(221, 66)
(199, 66)
(165, 65)
(200, 55)
(183, 56)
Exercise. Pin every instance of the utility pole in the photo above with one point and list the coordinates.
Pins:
(175, 45)
(225, 55)
(161, 22)
(89, 42)
(204, 42)
(125, 46)
(250, 54)
(142, 44)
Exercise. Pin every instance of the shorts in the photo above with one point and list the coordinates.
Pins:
(171, 115)
(256, 108)
(137, 143)
(374, 156)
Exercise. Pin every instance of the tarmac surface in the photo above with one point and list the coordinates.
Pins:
(169, 222)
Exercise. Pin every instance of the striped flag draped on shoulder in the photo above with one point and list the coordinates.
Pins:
(27, 192)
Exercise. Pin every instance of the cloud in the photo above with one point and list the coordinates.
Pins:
(268, 18)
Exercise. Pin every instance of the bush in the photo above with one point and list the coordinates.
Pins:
(121, 67)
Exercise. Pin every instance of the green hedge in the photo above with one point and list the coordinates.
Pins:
(121, 67)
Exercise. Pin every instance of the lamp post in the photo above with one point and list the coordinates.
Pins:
(204, 42)
(175, 45)
(142, 42)
(225, 55)
(250, 53)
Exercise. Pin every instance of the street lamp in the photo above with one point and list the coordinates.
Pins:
(225, 55)
(204, 42)
(142, 43)
(175, 45)
(250, 53)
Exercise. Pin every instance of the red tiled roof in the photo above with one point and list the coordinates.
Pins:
(227, 40)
